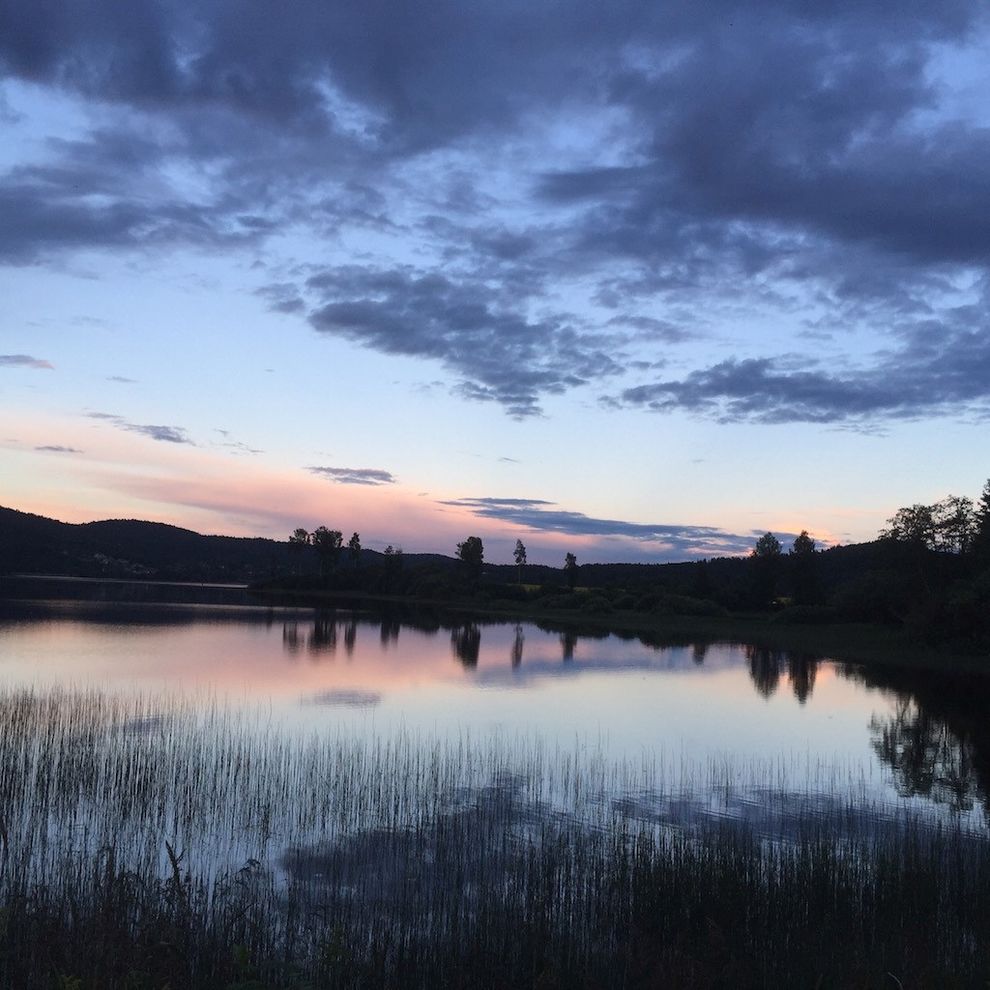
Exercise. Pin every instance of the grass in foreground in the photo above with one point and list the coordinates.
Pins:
(148, 844)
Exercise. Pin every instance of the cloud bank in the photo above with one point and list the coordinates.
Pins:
(770, 213)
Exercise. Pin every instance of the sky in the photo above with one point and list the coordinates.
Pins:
(638, 281)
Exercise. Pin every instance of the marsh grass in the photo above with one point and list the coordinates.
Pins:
(152, 841)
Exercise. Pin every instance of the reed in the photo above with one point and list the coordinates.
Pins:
(153, 841)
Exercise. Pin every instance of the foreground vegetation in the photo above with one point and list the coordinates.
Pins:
(149, 843)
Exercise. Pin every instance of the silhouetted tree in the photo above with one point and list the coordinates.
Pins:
(354, 549)
(298, 542)
(981, 527)
(472, 554)
(327, 543)
(520, 556)
(914, 525)
(803, 569)
(766, 560)
(954, 524)
(570, 570)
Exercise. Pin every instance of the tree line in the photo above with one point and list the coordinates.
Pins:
(928, 571)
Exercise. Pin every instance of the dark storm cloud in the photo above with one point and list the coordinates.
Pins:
(24, 361)
(753, 150)
(476, 331)
(165, 434)
(354, 476)
(541, 516)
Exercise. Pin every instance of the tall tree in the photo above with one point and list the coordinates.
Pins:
(354, 549)
(520, 556)
(767, 547)
(328, 543)
(803, 569)
(472, 554)
(299, 541)
(981, 521)
(913, 524)
(766, 558)
(955, 524)
(570, 570)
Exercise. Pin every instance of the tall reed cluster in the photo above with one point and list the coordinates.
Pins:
(151, 842)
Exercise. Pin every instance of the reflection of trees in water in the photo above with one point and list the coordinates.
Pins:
(350, 636)
(323, 635)
(291, 640)
(936, 742)
(698, 652)
(926, 757)
(802, 670)
(766, 665)
(390, 632)
(764, 668)
(517, 647)
(466, 643)
(568, 640)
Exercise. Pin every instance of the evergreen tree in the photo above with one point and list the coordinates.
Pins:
(981, 527)
(354, 549)
(520, 556)
(571, 569)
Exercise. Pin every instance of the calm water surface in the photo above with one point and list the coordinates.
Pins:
(808, 723)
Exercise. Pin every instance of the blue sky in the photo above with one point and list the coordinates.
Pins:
(634, 280)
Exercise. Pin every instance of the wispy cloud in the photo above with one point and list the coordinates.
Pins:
(58, 449)
(164, 434)
(24, 361)
(354, 476)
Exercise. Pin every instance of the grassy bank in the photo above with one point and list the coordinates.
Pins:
(150, 843)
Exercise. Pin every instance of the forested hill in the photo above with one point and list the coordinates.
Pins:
(131, 548)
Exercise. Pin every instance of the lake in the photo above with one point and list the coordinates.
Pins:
(811, 725)
(198, 790)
